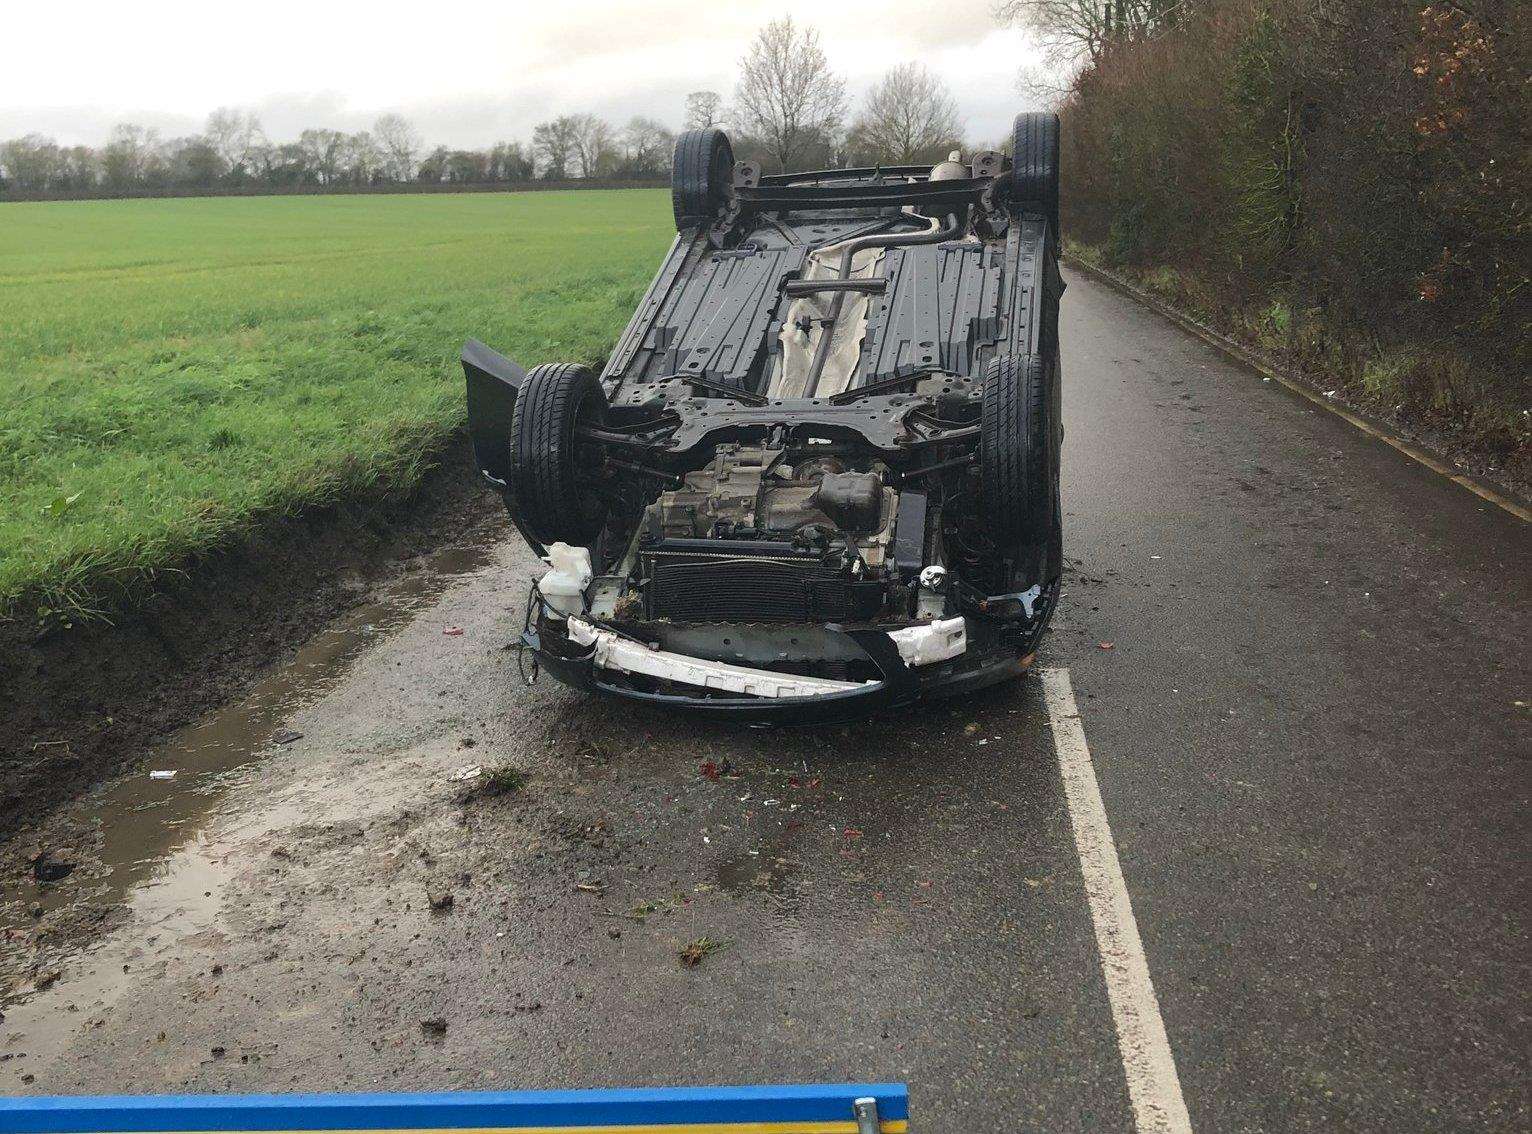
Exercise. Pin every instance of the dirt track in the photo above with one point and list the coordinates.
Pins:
(1308, 743)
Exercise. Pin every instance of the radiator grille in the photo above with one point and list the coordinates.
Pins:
(745, 588)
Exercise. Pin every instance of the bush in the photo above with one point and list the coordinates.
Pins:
(1349, 177)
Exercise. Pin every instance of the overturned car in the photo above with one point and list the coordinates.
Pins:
(820, 472)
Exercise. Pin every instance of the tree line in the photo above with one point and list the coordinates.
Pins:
(234, 152)
(789, 110)
(1346, 179)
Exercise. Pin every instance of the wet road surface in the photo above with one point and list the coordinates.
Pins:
(1308, 745)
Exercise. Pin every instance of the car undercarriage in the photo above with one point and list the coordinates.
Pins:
(819, 473)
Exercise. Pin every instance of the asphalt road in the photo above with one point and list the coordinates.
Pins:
(1309, 734)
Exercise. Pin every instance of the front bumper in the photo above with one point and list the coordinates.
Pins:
(989, 657)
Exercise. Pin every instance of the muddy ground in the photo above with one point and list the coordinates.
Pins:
(83, 700)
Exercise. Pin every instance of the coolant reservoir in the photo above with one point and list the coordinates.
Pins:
(563, 587)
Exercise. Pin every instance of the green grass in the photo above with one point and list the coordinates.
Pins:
(173, 370)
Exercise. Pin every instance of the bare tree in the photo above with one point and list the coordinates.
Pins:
(326, 152)
(233, 133)
(909, 116)
(787, 95)
(592, 144)
(363, 158)
(79, 168)
(1078, 30)
(646, 146)
(399, 142)
(554, 144)
(703, 109)
(130, 156)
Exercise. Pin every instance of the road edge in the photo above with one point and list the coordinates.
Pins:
(1498, 495)
(92, 699)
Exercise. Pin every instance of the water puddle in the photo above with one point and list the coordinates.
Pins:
(761, 872)
(142, 819)
(160, 869)
(770, 867)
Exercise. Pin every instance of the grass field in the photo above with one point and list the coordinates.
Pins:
(172, 370)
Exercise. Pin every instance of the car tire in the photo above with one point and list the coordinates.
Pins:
(1016, 441)
(701, 173)
(1035, 164)
(546, 499)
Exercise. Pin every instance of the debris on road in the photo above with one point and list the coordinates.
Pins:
(434, 1026)
(39, 981)
(163, 774)
(487, 783)
(691, 955)
(504, 780)
(453, 631)
(440, 900)
(286, 736)
(1107, 645)
(51, 866)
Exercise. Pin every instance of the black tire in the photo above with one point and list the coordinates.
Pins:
(1035, 164)
(543, 493)
(1016, 445)
(701, 173)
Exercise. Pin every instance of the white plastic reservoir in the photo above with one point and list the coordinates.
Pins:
(563, 587)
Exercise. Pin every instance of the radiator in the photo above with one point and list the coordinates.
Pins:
(763, 583)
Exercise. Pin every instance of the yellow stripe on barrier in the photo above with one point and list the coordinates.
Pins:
(888, 1126)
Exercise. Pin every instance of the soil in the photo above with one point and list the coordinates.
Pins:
(80, 703)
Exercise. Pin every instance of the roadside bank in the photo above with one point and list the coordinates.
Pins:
(82, 700)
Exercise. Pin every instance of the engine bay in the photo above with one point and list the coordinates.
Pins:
(759, 535)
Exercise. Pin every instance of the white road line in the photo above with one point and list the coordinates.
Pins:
(1153, 1086)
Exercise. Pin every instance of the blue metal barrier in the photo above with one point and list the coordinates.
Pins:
(826, 1109)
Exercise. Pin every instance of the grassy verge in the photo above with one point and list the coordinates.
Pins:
(1420, 387)
(174, 370)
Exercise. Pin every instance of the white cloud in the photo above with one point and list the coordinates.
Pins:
(466, 71)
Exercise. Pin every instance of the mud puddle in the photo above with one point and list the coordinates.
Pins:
(148, 859)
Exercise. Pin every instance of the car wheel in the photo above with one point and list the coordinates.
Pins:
(700, 176)
(1015, 440)
(1035, 164)
(547, 498)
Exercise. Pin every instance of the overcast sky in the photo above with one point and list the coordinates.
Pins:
(467, 73)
